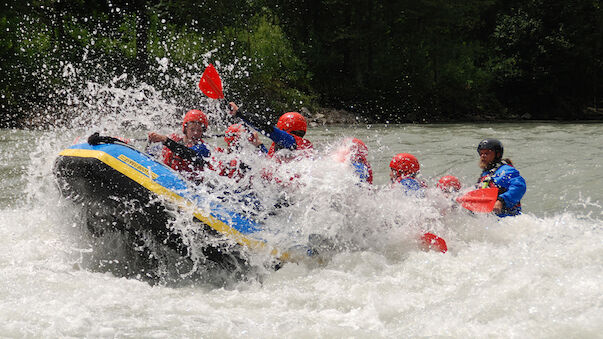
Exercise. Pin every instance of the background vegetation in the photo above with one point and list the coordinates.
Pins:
(397, 61)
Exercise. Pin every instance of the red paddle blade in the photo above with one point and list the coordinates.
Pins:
(210, 83)
(433, 242)
(481, 200)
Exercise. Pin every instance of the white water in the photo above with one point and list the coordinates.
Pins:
(536, 275)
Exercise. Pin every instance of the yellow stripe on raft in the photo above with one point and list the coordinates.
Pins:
(134, 174)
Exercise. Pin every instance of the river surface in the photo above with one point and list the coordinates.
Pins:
(538, 275)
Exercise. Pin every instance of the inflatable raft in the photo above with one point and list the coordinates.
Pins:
(126, 190)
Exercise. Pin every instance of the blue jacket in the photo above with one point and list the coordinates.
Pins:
(511, 187)
(362, 171)
(201, 150)
(412, 187)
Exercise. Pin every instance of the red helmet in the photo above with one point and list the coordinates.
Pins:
(405, 164)
(449, 183)
(359, 148)
(291, 122)
(194, 115)
(353, 148)
(233, 133)
(433, 242)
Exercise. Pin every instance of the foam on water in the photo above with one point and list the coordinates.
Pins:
(536, 275)
(522, 284)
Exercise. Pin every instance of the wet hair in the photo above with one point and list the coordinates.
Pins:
(508, 161)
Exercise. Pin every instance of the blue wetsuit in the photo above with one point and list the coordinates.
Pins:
(511, 187)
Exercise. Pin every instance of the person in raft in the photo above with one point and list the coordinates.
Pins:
(404, 168)
(500, 173)
(449, 184)
(234, 137)
(287, 136)
(186, 153)
(355, 151)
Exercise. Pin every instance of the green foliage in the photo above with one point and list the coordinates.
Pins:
(425, 60)
(549, 56)
(276, 73)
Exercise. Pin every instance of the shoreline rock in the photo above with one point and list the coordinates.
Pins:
(326, 116)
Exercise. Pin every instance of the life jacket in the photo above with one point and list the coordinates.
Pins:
(303, 149)
(232, 168)
(487, 181)
(176, 162)
(412, 186)
(362, 167)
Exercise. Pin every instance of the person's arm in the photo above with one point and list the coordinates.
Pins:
(282, 138)
(185, 152)
(515, 185)
(254, 139)
(263, 148)
(257, 122)
(194, 154)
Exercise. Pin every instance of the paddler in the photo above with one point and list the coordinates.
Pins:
(500, 173)
(288, 144)
(449, 184)
(354, 151)
(186, 153)
(404, 168)
(287, 136)
(229, 164)
(234, 136)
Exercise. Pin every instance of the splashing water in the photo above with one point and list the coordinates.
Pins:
(536, 275)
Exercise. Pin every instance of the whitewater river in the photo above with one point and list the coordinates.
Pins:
(539, 275)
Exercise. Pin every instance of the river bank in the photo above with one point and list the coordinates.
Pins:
(330, 116)
(323, 116)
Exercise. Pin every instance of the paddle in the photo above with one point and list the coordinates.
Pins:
(211, 84)
(479, 201)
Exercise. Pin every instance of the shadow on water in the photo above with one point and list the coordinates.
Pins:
(155, 245)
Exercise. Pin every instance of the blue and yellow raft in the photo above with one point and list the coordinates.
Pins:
(120, 187)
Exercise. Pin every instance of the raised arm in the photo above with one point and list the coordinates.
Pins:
(259, 123)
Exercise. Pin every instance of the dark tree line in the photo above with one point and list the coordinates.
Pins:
(398, 61)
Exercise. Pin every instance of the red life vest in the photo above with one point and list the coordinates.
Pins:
(229, 168)
(303, 149)
(176, 162)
